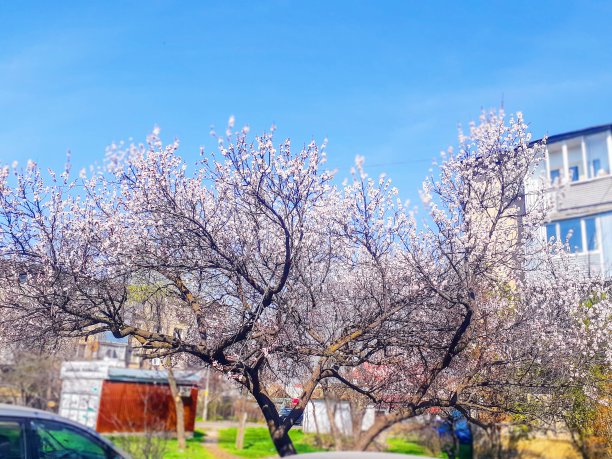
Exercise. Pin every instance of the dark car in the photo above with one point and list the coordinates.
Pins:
(284, 412)
(26, 433)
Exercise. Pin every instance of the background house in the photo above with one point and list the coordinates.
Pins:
(578, 167)
(319, 413)
(109, 398)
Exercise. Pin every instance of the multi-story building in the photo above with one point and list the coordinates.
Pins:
(127, 352)
(103, 347)
(578, 163)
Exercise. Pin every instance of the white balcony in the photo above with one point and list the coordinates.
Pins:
(580, 158)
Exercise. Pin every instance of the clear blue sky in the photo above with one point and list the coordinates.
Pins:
(388, 80)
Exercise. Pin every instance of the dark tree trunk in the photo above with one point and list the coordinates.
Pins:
(282, 442)
(279, 432)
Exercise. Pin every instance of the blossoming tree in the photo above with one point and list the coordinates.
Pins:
(287, 279)
(504, 321)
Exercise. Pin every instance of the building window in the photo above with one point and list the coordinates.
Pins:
(574, 162)
(574, 173)
(591, 234)
(597, 155)
(555, 162)
(555, 175)
(551, 231)
(595, 167)
(572, 231)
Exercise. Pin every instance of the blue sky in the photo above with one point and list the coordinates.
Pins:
(386, 79)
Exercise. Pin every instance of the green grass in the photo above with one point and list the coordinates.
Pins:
(194, 450)
(257, 443)
(403, 446)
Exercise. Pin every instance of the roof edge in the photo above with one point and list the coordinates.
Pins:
(571, 134)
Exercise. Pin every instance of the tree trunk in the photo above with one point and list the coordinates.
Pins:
(367, 437)
(242, 418)
(495, 441)
(357, 412)
(241, 429)
(206, 399)
(380, 425)
(180, 411)
(330, 408)
(282, 442)
(279, 433)
(579, 443)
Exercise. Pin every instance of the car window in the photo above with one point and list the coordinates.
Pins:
(11, 440)
(54, 440)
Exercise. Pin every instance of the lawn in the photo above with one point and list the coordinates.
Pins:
(194, 449)
(403, 446)
(257, 443)
(400, 445)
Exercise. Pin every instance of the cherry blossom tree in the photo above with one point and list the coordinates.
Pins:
(230, 243)
(504, 321)
(287, 279)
